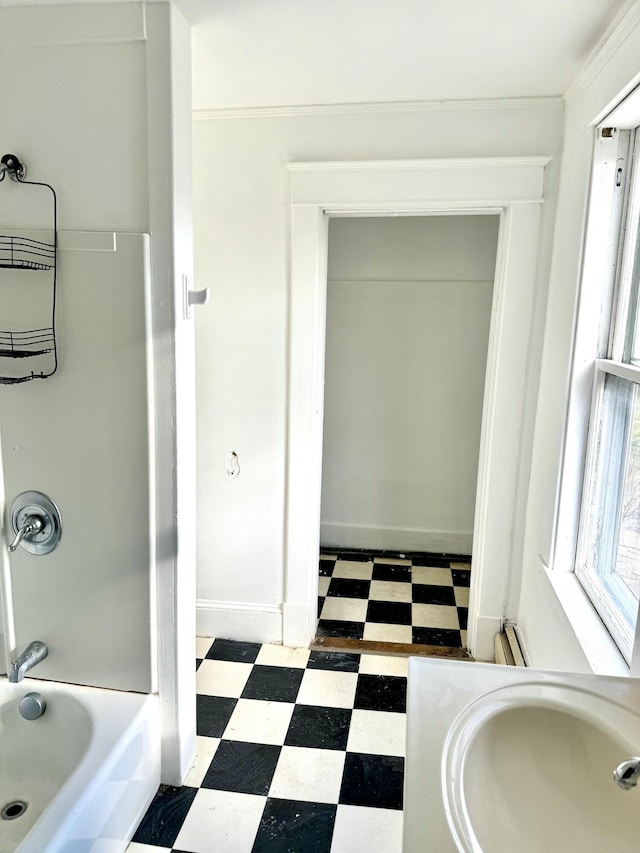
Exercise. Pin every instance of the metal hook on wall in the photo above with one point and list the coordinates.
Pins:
(11, 165)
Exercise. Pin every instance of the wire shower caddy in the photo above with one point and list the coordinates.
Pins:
(23, 253)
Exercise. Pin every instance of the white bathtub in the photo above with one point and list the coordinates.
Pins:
(87, 769)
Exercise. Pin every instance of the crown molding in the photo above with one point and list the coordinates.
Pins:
(355, 108)
(605, 49)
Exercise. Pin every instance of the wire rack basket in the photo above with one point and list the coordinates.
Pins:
(23, 253)
(27, 354)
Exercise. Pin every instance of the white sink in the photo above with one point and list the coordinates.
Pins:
(503, 759)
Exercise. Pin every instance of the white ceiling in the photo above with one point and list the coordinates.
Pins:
(287, 52)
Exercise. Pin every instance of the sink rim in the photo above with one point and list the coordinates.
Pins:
(576, 701)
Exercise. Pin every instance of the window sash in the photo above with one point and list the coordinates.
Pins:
(605, 484)
(602, 562)
(624, 338)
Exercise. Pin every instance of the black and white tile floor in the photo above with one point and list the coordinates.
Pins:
(297, 752)
(416, 598)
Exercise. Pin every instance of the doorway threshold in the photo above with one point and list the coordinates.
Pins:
(378, 647)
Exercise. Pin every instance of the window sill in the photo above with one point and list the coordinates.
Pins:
(601, 652)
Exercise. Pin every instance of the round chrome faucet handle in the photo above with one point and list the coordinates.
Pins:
(36, 522)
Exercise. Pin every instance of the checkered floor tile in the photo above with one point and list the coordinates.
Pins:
(409, 598)
(296, 751)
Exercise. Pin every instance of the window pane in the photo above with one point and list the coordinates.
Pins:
(628, 553)
(610, 547)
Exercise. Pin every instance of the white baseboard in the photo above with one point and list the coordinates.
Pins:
(395, 538)
(232, 620)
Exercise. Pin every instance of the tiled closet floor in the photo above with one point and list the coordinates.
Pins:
(417, 598)
(297, 752)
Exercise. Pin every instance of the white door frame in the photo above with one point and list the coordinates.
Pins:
(510, 187)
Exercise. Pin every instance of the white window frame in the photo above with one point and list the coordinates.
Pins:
(600, 341)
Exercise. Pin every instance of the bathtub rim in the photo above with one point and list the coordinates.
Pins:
(116, 718)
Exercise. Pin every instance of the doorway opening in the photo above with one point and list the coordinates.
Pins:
(407, 329)
(509, 187)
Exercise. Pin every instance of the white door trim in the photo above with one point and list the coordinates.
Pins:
(173, 585)
(510, 187)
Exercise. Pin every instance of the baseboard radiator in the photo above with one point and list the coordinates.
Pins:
(507, 647)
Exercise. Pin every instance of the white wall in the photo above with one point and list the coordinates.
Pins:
(611, 73)
(408, 313)
(242, 222)
(85, 113)
(82, 436)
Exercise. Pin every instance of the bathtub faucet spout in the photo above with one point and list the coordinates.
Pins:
(32, 655)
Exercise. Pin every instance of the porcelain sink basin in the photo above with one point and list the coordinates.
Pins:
(501, 759)
(529, 768)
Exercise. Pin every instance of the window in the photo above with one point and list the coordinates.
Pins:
(608, 546)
